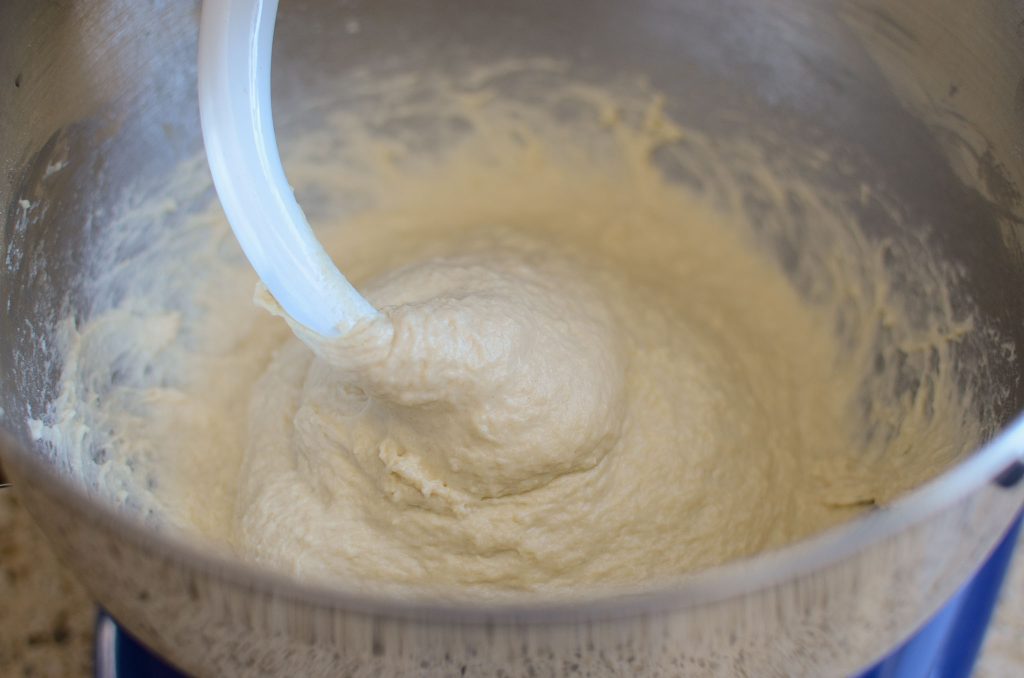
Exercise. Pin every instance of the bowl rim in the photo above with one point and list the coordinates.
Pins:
(729, 580)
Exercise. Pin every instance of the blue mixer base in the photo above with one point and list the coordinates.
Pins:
(947, 646)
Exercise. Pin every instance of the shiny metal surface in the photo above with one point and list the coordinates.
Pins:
(922, 98)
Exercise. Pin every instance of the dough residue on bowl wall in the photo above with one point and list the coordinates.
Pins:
(716, 382)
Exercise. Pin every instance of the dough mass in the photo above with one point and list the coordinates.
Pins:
(583, 373)
(490, 379)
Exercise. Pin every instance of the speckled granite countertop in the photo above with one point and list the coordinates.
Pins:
(46, 618)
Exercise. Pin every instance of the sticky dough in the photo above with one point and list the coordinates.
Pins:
(517, 417)
(582, 373)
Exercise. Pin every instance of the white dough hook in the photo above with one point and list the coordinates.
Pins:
(235, 41)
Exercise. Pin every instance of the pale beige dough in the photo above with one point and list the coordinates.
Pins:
(584, 374)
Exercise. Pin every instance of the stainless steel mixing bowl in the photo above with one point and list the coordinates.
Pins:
(923, 100)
